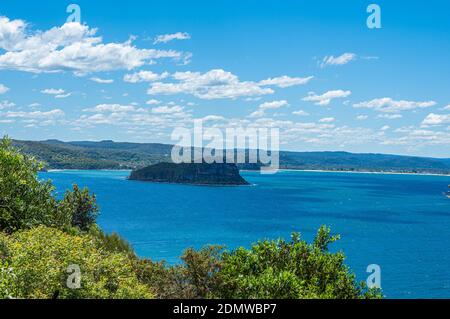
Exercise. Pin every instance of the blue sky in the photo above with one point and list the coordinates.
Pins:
(311, 68)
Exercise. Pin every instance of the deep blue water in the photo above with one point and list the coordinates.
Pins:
(400, 222)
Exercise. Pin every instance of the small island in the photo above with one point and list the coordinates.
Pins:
(215, 174)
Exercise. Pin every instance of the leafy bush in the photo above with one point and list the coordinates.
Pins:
(111, 242)
(81, 206)
(270, 269)
(194, 279)
(289, 270)
(37, 261)
(24, 200)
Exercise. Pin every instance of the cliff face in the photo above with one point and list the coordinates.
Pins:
(190, 173)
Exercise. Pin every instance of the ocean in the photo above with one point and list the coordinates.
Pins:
(399, 222)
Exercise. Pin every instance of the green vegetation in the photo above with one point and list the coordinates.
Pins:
(41, 238)
(190, 173)
(114, 155)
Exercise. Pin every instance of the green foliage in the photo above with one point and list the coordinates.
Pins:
(38, 259)
(195, 279)
(81, 206)
(114, 155)
(295, 269)
(168, 282)
(24, 200)
(111, 242)
(270, 269)
(201, 268)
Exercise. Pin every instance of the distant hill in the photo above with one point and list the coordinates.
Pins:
(95, 155)
(116, 155)
(190, 173)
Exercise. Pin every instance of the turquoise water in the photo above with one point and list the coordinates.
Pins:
(400, 222)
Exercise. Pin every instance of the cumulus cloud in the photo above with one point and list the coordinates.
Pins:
(214, 84)
(213, 118)
(285, 81)
(153, 102)
(167, 109)
(53, 91)
(268, 105)
(57, 93)
(300, 113)
(220, 84)
(144, 76)
(327, 120)
(71, 47)
(102, 81)
(3, 89)
(327, 97)
(389, 105)
(35, 114)
(436, 119)
(339, 60)
(390, 116)
(164, 38)
(115, 108)
(6, 105)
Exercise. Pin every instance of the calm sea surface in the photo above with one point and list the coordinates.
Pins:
(400, 222)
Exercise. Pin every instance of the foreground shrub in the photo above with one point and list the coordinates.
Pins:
(268, 270)
(34, 264)
(289, 270)
(26, 202)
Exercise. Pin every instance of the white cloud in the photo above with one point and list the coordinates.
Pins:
(388, 105)
(153, 102)
(339, 60)
(53, 91)
(327, 120)
(362, 117)
(71, 47)
(390, 116)
(144, 76)
(436, 119)
(213, 118)
(167, 109)
(268, 105)
(3, 89)
(273, 104)
(326, 98)
(385, 128)
(164, 38)
(446, 108)
(300, 113)
(62, 96)
(115, 108)
(6, 105)
(36, 114)
(214, 84)
(285, 81)
(57, 93)
(102, 81)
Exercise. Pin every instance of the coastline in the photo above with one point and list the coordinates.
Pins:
(280, 170)
(353, 172)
